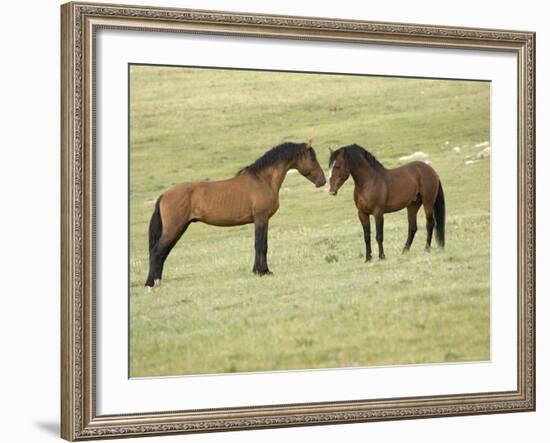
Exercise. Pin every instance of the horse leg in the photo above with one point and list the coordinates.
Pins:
(260, 245)
(430, 223)
(159, 254)
(412, 210)
(379, 219)
(365, 221)
(157, 257)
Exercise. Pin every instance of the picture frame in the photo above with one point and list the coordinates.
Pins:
(80, 24)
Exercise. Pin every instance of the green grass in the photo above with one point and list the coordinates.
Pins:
(323, 307)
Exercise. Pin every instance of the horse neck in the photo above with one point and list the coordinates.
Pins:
(275, 175)
(363, 173)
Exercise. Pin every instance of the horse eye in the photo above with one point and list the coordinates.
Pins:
(336, 167)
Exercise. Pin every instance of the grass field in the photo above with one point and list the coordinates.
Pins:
(323, 307)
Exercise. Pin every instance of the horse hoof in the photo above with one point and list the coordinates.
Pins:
(382, 257)
(157, 283)
(368, 259)
(428, 249)
(262, 273)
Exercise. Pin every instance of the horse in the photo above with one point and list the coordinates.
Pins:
(379, 190)
(251, 196)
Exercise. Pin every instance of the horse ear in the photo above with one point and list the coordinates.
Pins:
(309, 143)
(330, 151)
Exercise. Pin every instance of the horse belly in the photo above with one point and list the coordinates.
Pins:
(403, 190)
(226, 219)
(401, 202)
(220, 207)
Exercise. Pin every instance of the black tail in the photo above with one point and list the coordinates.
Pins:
(155, 226)
(155, 232)
(439, 214)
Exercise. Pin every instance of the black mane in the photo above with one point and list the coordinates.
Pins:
(284, 152)
(354, 153)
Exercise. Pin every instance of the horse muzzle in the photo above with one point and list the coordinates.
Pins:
(320, 183)
(333, 191)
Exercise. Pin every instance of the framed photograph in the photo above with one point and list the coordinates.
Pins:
(277, 221)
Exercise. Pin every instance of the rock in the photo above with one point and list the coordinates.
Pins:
(418, 155)
(484, 153)
(481, 145)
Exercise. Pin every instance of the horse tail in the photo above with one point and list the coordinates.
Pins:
(155, 226)
(439, 214)
(155, 232)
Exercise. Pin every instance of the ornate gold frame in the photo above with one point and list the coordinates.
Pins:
(79, 22)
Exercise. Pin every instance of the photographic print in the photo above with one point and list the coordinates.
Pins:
(273, 221)
(299, 220)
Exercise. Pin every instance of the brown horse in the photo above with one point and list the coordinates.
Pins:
(252, 196)
(379, 190)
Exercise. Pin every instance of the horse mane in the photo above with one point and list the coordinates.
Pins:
(284, 152)
(354, 154)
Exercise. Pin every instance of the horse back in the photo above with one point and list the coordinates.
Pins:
(230, 202)
(399, 187)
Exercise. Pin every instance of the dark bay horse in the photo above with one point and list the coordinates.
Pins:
(379, 190)
(252, 196)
